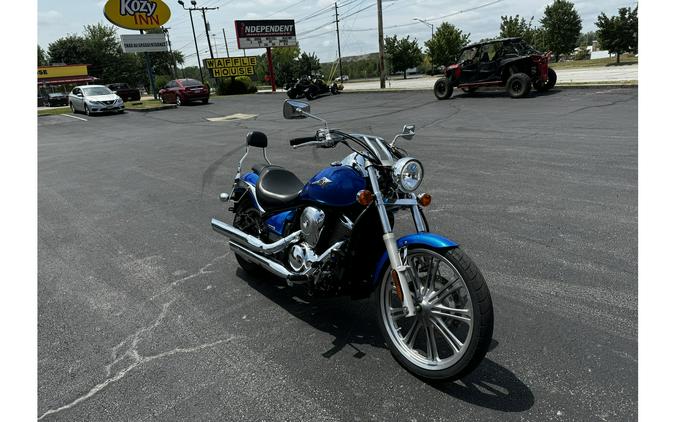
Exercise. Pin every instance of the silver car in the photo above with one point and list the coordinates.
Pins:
(94, 99)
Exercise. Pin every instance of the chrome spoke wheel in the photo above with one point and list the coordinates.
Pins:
(438, 336)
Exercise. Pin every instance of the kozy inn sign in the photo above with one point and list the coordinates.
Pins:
(137, 14)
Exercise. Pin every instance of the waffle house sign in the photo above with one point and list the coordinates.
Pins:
(137, 14)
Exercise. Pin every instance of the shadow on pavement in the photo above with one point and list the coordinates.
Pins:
(353, 323)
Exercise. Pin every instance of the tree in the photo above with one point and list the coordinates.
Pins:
(587, 38)
(308, 63)
(284, 61)
(619, 34)
(70, 49)
(517, 26)
(402, 53)
(446, 43)
(42, 57)
(562, 26)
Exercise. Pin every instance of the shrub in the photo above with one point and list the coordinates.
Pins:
(240, 85)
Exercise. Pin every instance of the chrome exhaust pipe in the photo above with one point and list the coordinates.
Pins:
(269, 264)
(251, 242)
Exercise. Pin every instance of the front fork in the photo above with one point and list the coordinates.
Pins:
(392, 248)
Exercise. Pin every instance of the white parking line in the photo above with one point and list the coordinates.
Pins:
(74, 117)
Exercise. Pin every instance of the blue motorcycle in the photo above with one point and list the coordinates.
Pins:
(334, 235)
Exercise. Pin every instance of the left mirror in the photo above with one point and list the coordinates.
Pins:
(294, 109)
(408, 132)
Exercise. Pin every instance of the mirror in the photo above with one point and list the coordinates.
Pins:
(294, 109)
(408, 132)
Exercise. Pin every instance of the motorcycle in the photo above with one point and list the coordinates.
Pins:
(334, 235)
(310, 88)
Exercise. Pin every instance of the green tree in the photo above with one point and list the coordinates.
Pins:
(587, 38)
(70, 49)
(446, 43)
(517, 26)
(402, 53)
(42, 58)
(619, 34)
(284, 61)
(562, 26)
(308, 64)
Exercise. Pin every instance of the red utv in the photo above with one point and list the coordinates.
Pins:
(506, 62)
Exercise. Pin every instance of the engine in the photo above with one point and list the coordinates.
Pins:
(311, 224)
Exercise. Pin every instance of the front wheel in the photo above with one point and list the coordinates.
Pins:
(443, 89)
(452, 329)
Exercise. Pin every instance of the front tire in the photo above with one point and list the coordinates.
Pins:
(452, 330)
(443, 89)
(178, 101)
(518, 85)
(72, 108)
(86, 110)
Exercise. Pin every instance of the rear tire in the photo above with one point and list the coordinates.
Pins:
(178, 101)
(247, 218)
(550, 83)
(86, 110)
(518, 85)
(310, 94)
(443, 89)
(444, 306)
(205, 101)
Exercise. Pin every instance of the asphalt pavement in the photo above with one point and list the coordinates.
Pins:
(143, 313)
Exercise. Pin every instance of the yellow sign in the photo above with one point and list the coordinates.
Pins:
(45, 72)
(230, 66)
(137, 14)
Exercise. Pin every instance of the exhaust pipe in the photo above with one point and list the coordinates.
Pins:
(251, 242)
(269, 264)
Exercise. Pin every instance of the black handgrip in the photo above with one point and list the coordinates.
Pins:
(299, 141)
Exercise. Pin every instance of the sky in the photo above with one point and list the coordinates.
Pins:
(315, 27)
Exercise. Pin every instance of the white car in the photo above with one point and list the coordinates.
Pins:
(344, 78)
(94, 99)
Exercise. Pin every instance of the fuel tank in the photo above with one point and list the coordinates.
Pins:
(335, 186)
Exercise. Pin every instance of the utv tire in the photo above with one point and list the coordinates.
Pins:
(443, 89)
(518, 85)
(333, 90)
(310, 94)
(292, 94)
(550, 83)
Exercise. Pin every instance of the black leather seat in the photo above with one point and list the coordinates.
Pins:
(277, 187)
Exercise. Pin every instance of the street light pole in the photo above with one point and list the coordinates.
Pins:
(173, 57)
(199, 62)
(380, 40)
(431, 25)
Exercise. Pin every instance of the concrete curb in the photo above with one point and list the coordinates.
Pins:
(149, 109)
(577, 85)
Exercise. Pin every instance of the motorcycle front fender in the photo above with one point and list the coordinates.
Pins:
(429, 240)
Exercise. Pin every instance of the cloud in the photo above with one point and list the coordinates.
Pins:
(50, 17)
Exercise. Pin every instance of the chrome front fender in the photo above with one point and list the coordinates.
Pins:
(430, 240)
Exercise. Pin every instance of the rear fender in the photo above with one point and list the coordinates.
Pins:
(246, 186)
(429, 240)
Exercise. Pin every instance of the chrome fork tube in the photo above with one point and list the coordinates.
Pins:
(390, 243)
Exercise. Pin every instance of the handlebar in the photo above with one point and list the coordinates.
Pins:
(299, 141)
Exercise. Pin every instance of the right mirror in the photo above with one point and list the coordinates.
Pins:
(293, 109)
(408, 132)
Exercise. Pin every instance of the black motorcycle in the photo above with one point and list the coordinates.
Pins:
(310, 88)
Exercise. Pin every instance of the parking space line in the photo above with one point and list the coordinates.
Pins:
(74, 117)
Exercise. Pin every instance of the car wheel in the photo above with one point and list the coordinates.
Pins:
(72, 108)
(161, 100)
(518, 85)
(86, 110)
(443, 89)
(205, 101)
(178, 101)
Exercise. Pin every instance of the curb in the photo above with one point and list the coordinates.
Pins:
(149, 109)
(572, 85)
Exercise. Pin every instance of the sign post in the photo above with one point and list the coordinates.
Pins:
(266, 34)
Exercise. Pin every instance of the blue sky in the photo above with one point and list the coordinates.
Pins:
(57, 18)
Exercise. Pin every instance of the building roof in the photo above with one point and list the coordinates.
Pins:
(66, 80)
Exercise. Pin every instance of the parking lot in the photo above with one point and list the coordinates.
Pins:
(144, 314)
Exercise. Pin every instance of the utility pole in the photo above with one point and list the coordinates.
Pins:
(337, 29)
(380, 36)
(199, 61)
(215, 44)
(173, 57)
(227, 49)
(206, 26)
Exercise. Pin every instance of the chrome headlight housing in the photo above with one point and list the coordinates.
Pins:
(408, 174)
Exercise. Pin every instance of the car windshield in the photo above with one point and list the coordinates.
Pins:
(191, 82)
(95, 90)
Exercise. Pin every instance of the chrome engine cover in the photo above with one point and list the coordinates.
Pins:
(311, 224)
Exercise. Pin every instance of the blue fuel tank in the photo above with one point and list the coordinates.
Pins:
(334, 186)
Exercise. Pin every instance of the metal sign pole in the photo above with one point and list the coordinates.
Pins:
(151, 76)
(271, 69)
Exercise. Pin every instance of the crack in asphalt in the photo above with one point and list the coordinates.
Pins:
(632, 97)
(137, 359)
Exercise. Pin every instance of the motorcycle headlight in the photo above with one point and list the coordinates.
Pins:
(408, 174)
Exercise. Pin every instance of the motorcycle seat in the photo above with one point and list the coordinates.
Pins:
(277, 187)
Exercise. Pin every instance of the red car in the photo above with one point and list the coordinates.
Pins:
(183, 91)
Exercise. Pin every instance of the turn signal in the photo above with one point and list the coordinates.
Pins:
(364, 197)
(397, 285)
(424, 199)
